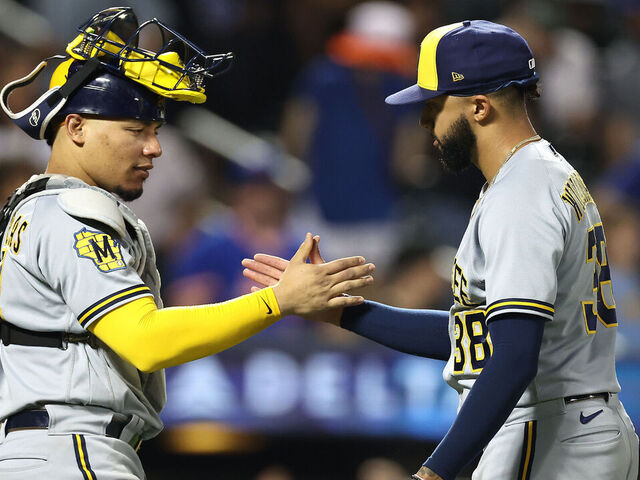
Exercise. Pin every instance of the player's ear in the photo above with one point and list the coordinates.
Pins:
(74, 126)
(481, 108)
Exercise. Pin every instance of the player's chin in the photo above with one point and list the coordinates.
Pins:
(128, 194)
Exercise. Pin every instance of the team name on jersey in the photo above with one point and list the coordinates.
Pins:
(576, 194)
(14, 234)
(459, 285)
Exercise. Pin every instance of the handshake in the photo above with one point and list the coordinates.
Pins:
(316, 290)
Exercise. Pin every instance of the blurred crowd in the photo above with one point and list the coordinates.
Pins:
(308, 91)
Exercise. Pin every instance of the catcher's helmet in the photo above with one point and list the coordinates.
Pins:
(106, 73)
(108, 95)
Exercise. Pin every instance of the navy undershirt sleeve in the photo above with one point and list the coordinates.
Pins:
(424, 333)
(516, 341)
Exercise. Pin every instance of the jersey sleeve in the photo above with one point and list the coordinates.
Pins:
(522, 236)
(89, 265)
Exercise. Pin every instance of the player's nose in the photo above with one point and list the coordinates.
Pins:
(152, 147)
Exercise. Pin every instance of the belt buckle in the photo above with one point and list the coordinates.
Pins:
(86, 337)
(578, 398)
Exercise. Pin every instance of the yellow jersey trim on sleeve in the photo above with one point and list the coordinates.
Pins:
(520, 305)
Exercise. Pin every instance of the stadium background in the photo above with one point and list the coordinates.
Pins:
(296, 138)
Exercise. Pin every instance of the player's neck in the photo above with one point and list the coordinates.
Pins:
(62, 161)
(497, 144)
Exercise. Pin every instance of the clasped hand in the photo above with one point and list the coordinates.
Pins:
(303, 288)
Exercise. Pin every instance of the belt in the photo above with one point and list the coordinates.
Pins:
(576, 398)
(39, 420)
(11, 334)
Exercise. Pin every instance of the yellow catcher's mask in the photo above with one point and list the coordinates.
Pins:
(151, 70)
(112, 35)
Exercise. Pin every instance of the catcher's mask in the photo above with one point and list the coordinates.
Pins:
(106, 73)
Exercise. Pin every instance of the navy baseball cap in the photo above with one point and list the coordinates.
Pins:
(467, 58)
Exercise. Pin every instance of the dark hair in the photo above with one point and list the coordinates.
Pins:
(52, 129)
(517, 95)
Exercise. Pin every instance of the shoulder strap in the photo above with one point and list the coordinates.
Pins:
(18, 196)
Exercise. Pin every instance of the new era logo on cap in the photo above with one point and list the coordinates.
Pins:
(492, 56)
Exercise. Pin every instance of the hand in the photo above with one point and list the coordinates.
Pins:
(425, 473)
(313, 287)
(267, 270)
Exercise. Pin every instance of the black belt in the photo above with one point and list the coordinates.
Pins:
(39, 420)
(10, 334)
(576, 398)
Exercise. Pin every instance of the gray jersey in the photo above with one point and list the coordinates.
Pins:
(535, 245)
(62, 272)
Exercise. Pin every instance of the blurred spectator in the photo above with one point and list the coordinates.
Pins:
(13, 173)
(623, 248)
(569, 65)
(338, 122)
(380, 469)
(622, 62)
(66, 15)
(206, 267)
(17, 62)
(274, 472)
(622, 224)
(620, 70)
(172, 191)
(621, 178)
(417, 279)
(251, 93)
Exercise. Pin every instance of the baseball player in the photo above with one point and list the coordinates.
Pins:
(84, 337)
(529, 340)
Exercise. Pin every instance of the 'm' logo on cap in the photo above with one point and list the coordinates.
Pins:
(457, 76)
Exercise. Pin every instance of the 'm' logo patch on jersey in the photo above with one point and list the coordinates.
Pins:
(99, 247)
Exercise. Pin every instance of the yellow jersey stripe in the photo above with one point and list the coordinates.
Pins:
(86, 471)
(528, 455)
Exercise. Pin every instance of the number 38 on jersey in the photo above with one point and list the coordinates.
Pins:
(603, 307)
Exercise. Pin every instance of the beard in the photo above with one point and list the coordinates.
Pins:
(457, 149)
(127, 195)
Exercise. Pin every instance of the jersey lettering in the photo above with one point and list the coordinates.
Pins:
(472, 341)
(603, 309)
(576, 195)
(101, 248)
(459, 285)
(14, 233)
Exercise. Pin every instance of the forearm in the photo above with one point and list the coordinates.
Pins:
(152, 339)
(424, 333)
(493, 396)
